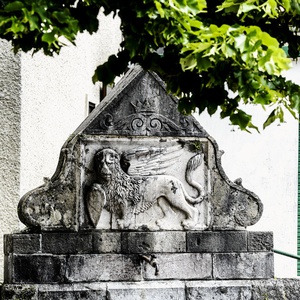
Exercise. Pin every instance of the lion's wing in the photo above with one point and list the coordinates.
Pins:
(145, 161)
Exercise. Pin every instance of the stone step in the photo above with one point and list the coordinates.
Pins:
(271, 289)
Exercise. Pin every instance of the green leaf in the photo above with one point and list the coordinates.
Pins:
(252, 126)
(246, 7)
(268, 40)
(103, 74)
(32, 19)
(16, 27)
(241, 119)
(271, 118)
(295, 101)
(240, 42)
(188, 63)
(61, 16)
(159, 9)
(228, 50)
(49, 37)
(203, 63)
(14, 6)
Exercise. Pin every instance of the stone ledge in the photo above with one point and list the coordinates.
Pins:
(271, 289)
(98, 241)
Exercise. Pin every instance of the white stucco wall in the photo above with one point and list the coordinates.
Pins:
(268, 164)
(55, 92)
(10, 112)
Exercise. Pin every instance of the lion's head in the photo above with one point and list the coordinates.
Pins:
(119, 187)
(107, 164)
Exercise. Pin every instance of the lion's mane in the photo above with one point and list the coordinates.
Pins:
(122, 190)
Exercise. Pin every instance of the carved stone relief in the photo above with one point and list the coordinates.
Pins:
(149, 112)
(136, 163)
(133, 183)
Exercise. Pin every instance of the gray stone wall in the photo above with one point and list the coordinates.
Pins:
(97, 256)
(10, 118)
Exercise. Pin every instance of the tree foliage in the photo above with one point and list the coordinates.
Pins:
(214, 54)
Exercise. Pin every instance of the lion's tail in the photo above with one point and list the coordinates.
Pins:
(192, 165)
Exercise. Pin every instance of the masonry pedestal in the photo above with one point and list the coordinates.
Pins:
(131, 265)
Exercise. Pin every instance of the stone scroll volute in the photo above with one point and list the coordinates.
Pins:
(137, 164)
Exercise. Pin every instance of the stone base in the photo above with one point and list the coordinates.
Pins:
(271, 289)
(116, 265)
(98, 256)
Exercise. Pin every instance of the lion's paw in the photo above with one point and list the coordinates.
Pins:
(188, 224)
(162, 223)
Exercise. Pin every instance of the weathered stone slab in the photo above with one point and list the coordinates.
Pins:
(264, 289)
(180, 266)
(72, 292)
(221, 290)
(153, 242)
(255, 265)
(67, 243)
(217, 241)
(72, 295)
(103, 267)
(54, 292)
(174, 290)
(22, 243)
(276, 289)
(260, 241)
(99, 241)
(106, 242)
(35, 268)
(19, 292)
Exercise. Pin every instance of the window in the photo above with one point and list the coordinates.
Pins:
(91, 107)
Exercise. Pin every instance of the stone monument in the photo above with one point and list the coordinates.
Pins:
(139, 208)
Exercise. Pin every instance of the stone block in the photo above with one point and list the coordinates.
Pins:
(260, 241)
(22, 243)
(19, 292)
(72, 292)
(221, 290)
(255, 265)
(174, 290)
(216, 241)
(106, 242)
(35, 268)
(103, 267)
(153, 242)
(276, 289)
(180, 266)
(67, 243)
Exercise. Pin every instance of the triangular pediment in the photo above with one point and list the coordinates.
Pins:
(140, 106)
